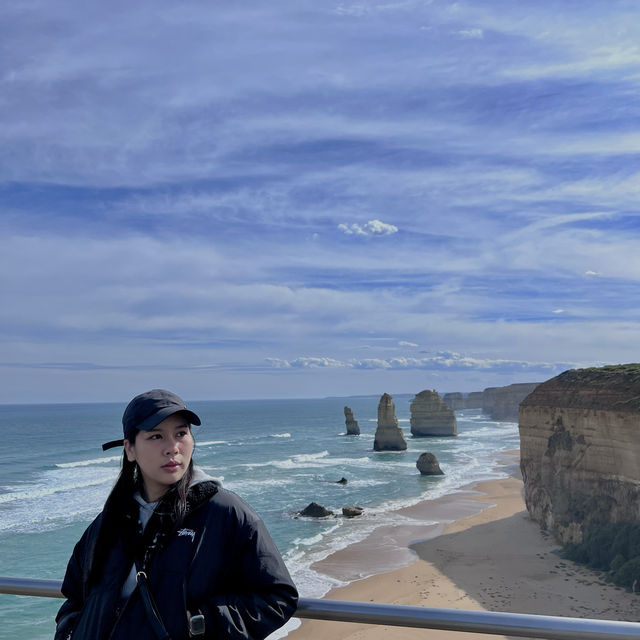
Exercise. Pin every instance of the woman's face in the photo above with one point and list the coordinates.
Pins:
(163, 454)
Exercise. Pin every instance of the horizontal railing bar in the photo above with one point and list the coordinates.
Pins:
(31, 587)
(489, 622)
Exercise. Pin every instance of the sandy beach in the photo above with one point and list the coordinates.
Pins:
(489, 556)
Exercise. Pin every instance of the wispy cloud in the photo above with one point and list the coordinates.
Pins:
(471, 33)
(441, 361)
(371, 228)
(232, 188)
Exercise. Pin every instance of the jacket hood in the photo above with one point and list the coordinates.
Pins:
(202, 476)
(201, 488)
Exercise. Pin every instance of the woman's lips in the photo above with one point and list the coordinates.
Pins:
(171, 466)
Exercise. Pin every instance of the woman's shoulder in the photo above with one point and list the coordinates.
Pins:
(212, 498)
(226, 503)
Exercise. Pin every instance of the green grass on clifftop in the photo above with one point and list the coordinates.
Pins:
(616, 373)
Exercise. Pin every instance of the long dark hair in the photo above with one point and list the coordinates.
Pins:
(120, 513)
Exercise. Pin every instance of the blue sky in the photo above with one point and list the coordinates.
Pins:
(253, 200)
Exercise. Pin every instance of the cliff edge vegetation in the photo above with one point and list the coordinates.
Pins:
(613, 548)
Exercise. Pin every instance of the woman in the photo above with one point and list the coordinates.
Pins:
(173, 554)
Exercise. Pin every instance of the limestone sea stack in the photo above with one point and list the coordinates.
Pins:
(579, 450)
(431, 416)
(454, 400)
(389, 436)
(428, 465)
(352, 424)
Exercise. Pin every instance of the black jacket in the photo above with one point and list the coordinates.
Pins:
(220, 561)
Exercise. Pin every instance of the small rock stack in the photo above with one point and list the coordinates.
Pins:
(352, 424)
(428, 465)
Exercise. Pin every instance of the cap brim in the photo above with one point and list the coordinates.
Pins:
(153, 421)
(112, 444)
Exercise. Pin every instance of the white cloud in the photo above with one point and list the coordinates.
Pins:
(440, 361)
(306, 363)
(558, 311)
(475, 34)
(371, 228)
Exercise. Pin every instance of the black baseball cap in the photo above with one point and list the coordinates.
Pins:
(147, 411)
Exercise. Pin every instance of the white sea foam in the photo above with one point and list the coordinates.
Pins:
(366, 483)
(88, 463)
(250, 486)
(302, 460)
(306, 552)
(51, 485)
(57, 497)
(210, 443)
(280, 435)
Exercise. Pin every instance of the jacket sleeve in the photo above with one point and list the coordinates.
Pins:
(73, 587)
(263, 596)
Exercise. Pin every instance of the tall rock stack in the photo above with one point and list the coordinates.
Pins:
(454, 400)
(389, 436)
(579, 450)
(351, 423)
(431, 416)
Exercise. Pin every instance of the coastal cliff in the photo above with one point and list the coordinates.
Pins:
(474, 400)
(579, 450)
(502, 403)
(455, 400)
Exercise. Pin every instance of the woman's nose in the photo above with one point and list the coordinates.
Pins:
(172, 445)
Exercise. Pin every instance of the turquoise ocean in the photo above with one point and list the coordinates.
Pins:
(279, 455)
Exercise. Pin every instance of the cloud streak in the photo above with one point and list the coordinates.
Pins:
(438, 362)
(371, 228)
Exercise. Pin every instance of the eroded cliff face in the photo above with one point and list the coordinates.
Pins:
(454, 400)
(474, 400)
(580, 450)
(501, 403)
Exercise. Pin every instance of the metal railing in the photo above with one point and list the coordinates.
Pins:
(489, 622)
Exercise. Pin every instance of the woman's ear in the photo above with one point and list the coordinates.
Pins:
(130, 450)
